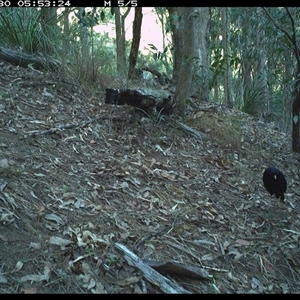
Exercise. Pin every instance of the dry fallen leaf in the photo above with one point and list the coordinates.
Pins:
(129, 280)
(242, 242)
(18, 267)
(30, 290)
(55, 240)
(38, 277)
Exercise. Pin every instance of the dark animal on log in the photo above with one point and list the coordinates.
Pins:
(274, 182)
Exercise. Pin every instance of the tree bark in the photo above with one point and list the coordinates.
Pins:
(177, 39)
(120, 39)
(137, 24)
(261, 77)
(247, 67)
(193, 66)
(84, 37)
(184, 81)
(225, 43)
(201, 16)
(161, 14)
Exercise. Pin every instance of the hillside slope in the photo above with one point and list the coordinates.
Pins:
(77, 176)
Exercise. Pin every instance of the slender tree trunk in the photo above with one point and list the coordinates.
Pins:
(184, 81)
(226, 76)
(261, 78)
(295, 127)
(296, 105)
(247, 63)
(120, 39)
(177, 38)
(137, 23)
(216, 93)
(201, 16)
(83, 36)
(161, 14)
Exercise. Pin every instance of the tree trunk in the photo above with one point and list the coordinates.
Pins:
(120, 39)
(200, 16)
(136, 37)
(161, 14)
(177, 39)
(247, 62)
(184, 81)
(296, 106)
(226, 76)
(261, 78)
(295, 127)
(84, 37)
(193, 53)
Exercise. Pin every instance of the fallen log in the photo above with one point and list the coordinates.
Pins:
(143, 98)
(24, 59)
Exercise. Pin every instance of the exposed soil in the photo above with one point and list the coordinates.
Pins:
(77, 176)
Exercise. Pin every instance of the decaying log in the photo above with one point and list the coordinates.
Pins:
(24, 59)
(166, 285)
(143, 98)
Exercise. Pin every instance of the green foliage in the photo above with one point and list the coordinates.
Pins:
(100, 60)
(252, 99)
(21, 27)
(218, 65)
(151, 61)
(90, 18)
(158, 55)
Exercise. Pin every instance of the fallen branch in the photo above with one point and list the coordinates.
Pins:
(166, 285)
(61, 127)
(186, 128)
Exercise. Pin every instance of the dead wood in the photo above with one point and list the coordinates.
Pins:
(185, 128)
(166, 285)
(60, 128)
(24, 59)
(143, 98)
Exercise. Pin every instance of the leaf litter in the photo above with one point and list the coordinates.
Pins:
(78, 177)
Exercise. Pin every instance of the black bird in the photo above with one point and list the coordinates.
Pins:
(274, 182)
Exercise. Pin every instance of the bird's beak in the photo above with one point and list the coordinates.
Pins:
(275, 177)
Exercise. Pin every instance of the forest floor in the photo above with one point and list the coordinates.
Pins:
(78, 177)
